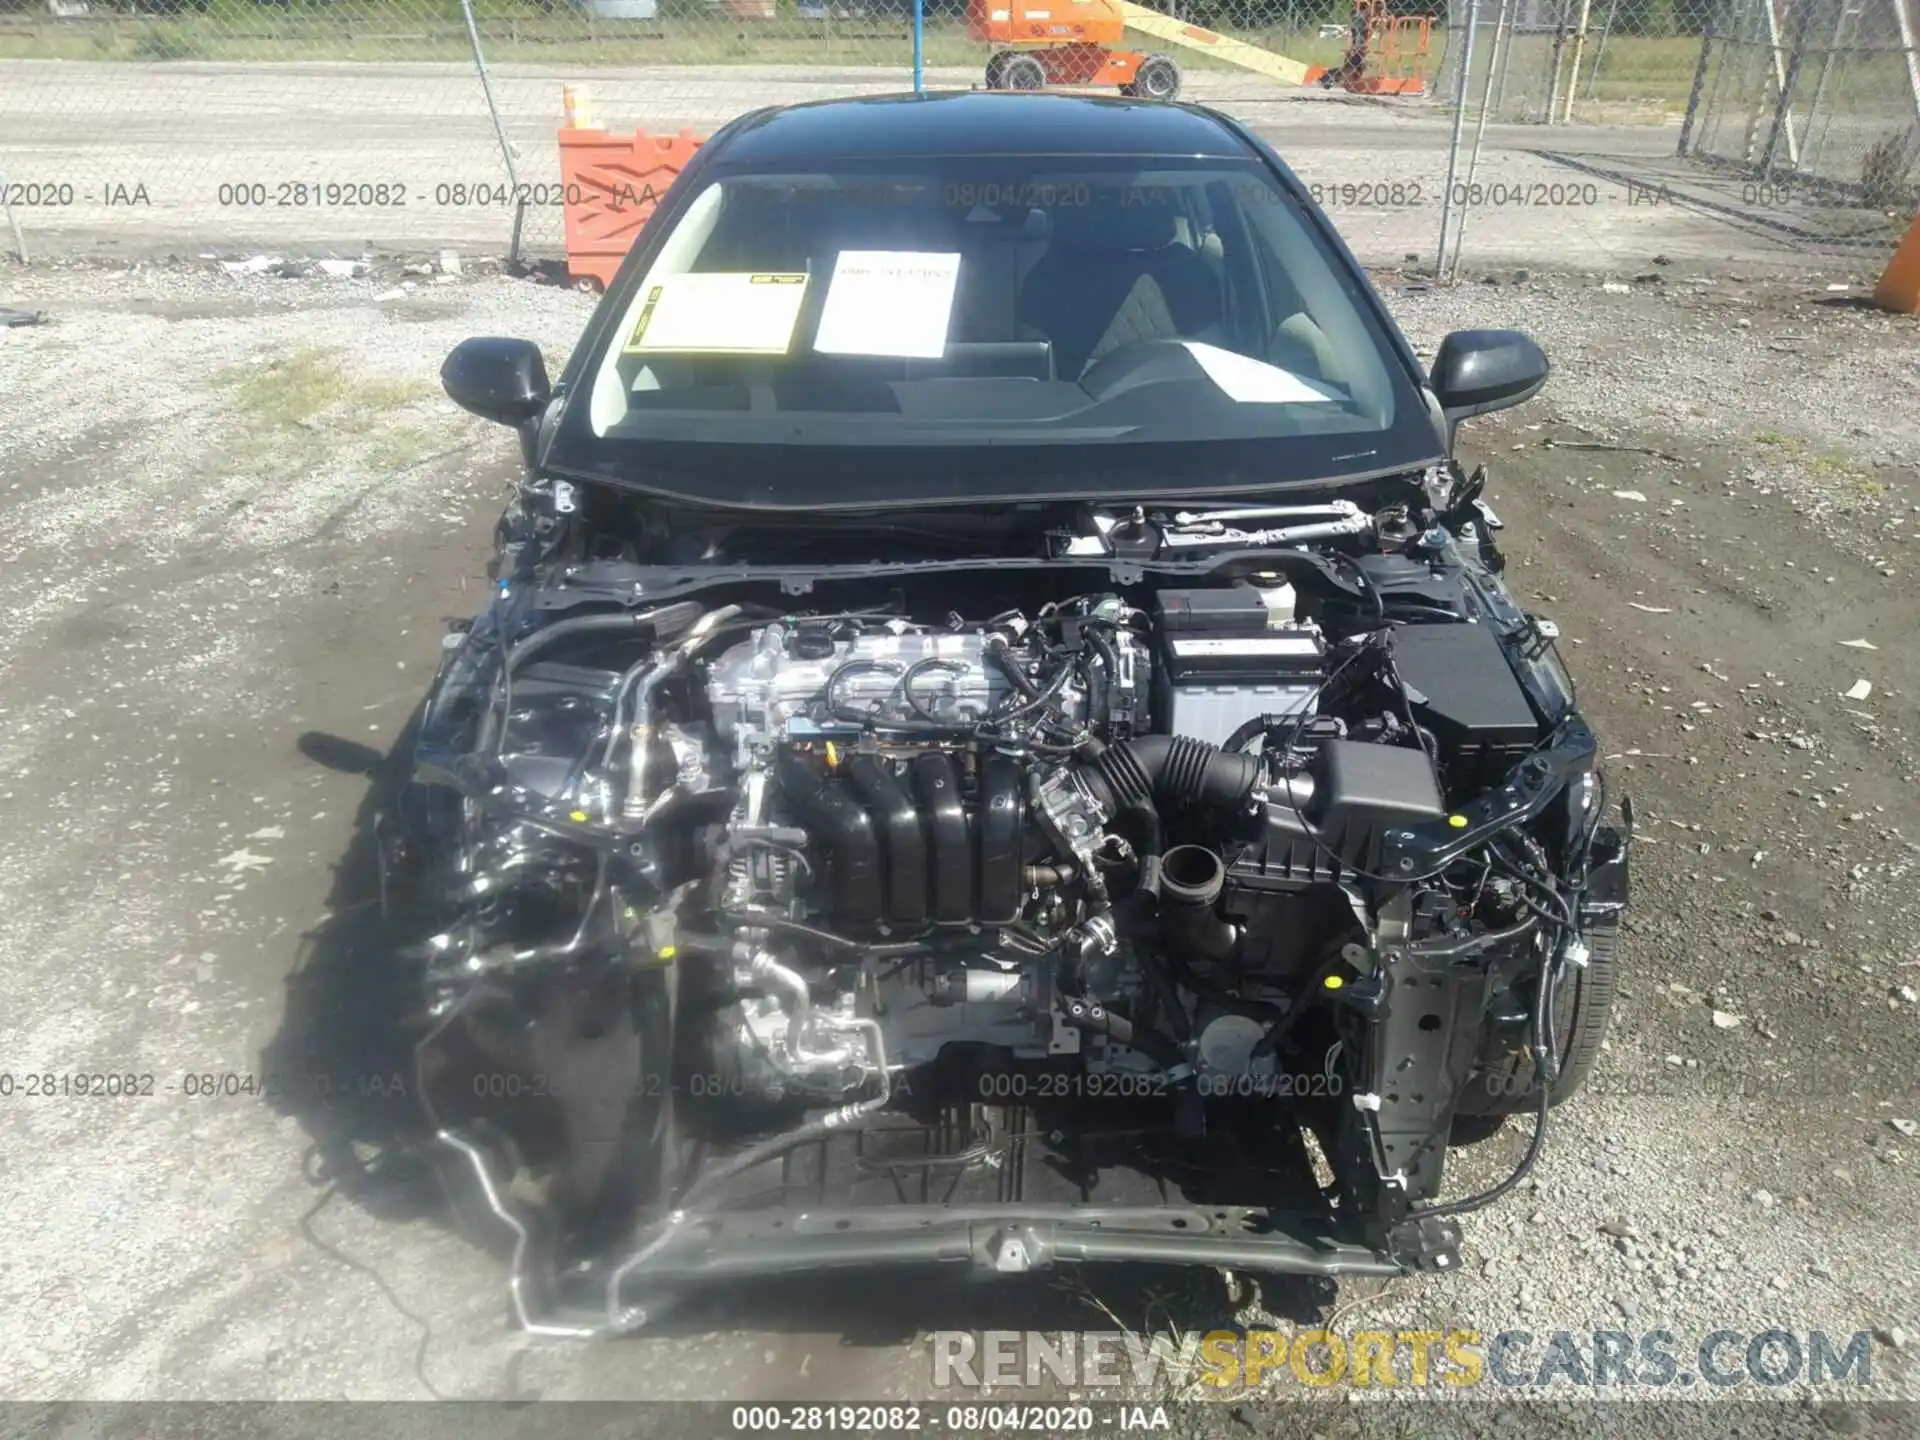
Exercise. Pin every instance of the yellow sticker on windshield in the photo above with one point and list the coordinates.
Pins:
(748, 313)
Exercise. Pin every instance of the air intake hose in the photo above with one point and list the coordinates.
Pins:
(1169, 772)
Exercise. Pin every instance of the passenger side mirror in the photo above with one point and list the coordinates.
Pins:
(1481, 370)
(497, 379)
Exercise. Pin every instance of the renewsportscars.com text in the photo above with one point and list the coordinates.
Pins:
(1253, 1359)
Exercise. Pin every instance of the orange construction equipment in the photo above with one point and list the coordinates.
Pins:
(1066, 42)
(1899, 287)
(1074, 42)
(609, 185)
(1385, 53)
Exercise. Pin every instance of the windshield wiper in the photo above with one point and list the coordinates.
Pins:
(1332, 520)
(1264, 512)
(1200, 529)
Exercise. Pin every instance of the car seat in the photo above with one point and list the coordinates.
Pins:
(1116, 274)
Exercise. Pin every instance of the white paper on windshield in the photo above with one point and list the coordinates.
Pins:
(889, 302)
(1253, 381)
(724, 314)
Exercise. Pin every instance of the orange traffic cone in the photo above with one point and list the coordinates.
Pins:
(1899, 288)
(578, 105)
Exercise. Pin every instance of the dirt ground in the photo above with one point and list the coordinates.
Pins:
(242, 512)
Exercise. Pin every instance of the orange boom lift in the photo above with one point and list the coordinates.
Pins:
(1066, 42)
(1385, 53)
(1038, 43)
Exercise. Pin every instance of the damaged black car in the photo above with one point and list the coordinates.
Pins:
(997, 739)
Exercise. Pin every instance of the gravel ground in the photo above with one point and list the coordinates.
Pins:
(242, 513)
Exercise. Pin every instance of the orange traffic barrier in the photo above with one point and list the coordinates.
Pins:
(1899, 287)
(611, 184)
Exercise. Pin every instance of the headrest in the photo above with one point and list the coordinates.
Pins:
(1113, 226)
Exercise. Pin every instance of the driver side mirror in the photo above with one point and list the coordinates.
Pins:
(1481, 370)
(501, 380)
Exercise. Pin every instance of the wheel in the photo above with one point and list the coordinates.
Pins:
(1157, 79)
(997, 70)
(1022, 72)
(1504, 1083)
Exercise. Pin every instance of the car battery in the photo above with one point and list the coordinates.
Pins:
(1220, 661)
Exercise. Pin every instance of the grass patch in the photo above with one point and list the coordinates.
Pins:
(296, 406)
(387, 392)
(401, 447)
(287, 390)
(182, 40)
(297, 387)
(1829, 465)
(1818, 464)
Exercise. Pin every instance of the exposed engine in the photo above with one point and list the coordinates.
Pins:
(1175, 844)
(963, 796)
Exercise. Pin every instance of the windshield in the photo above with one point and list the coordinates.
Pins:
(1059, 305)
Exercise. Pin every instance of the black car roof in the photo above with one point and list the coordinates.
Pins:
(976, 123)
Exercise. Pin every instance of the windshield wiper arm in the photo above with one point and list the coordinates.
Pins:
(1330, 508)
(1192, 529)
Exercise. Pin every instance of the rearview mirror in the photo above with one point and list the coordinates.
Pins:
(497, 379)
(1481, 370)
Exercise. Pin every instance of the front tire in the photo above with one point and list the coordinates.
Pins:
(1022, 72)
(1504, 1083)
(1157, 79)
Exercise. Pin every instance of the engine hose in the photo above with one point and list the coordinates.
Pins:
(1169, 997)
(1270, 1043)
(914, 672)
(839, 710)
(1192, 878)
(1258, 725)
(1109, 661)
(1189, 1109)
(1041, 697)
(661, 621)
(1170, 772)
(1221, 996)
(766, 920)
(1010, 667)
(1151, 1043)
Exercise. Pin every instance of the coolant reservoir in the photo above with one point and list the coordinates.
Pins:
(1277, 596)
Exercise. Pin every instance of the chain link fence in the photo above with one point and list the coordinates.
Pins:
(353, 125)
(1589, 62)
(344, 125)
(1796, 121)
(388, 123)
(1820, 93)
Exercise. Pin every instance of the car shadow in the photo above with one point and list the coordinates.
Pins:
(341, 1066)
(341, 1062)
